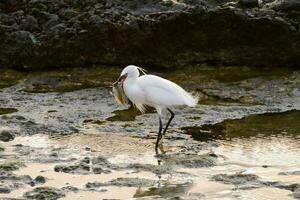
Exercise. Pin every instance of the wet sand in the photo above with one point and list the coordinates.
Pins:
(72, 134)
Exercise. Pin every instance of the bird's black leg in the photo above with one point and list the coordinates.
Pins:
(159, 135)
(165, 130)
(171, 118)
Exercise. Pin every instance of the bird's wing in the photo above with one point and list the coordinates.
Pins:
(162, 92)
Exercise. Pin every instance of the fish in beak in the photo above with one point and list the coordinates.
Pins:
(122, 79)
(118, 90)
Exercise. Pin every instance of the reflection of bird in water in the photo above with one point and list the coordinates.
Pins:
(153, 91)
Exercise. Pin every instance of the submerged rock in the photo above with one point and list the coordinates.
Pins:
(6, 136)
(243, 181)
(4, 189)
(290, 173)
(156, 169)
(296, 194)
(123, 182)
(292, 187)
(40, 180)
(11, 166)
(193, 161)
(10, 182)
(43, 193)
(70, 189)
(168, 191)
(96, 165)
(73, 168)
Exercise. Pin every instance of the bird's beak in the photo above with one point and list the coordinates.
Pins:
(122, 79)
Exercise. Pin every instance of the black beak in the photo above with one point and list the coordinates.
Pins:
(121, 78)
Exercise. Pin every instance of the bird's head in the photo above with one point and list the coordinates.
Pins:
(129, 72)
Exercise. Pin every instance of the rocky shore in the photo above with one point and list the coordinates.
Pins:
(62, 136)
(60, 33)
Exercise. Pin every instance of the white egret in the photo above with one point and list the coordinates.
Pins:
(156, 92)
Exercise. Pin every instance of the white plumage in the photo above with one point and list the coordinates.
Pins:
(154, 91)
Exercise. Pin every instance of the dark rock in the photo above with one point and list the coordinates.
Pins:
(248, 3)
(4, 189)
(7, 19)
(85, 166)
(99, 170)
(57, 29)
(156, 169)
(196, 196)
(296, 194)
(94, 185)
(289, 173)
(292, 187)
(281, 185)
(23, 37)
(194, 161)
(86, 160)
(6, 136)
(70, 189)
(29, 23)
(40, 180)
(68, 13)
(52, 22)
(124, 182)
(132, 182)
(244, 181)
(11, 166)
(44, 193)
(288, 5)
(282, 173)
(20, 118)
(74, 34)
(10, 181)
(75, 168)
(169, 191)
(10, 2)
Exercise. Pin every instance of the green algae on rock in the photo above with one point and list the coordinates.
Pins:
(10, 77)
(13, 165)
(43, 193)
(7, 110)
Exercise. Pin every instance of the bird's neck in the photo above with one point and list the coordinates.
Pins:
(130, 80)
(129, 83)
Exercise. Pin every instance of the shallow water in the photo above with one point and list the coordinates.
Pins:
(262, 139)
(248, 117)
